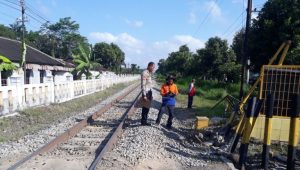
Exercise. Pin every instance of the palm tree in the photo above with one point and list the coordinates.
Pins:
(6, 64)
(83, 63)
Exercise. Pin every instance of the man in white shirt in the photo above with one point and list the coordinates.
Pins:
(146, 85)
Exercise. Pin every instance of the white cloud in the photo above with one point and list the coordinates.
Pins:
(192, 43)
(134, 23)
(192, 18)
(198, 11)
(214, 8)
(140, 52)
(105, 36)
(132, 47)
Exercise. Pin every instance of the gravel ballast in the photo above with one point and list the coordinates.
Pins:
(156, 147)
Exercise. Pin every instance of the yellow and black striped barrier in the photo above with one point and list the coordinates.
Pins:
(267, 133)
(247, 132)
(238, 133)
(293, 136)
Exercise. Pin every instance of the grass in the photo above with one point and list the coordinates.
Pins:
(33, 119)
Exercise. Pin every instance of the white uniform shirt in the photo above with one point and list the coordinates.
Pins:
(146, 82)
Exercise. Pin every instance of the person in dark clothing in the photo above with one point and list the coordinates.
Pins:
(191, 94)
(168, 92)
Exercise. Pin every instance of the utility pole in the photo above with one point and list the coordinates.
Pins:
(245, 48)
(23, 48)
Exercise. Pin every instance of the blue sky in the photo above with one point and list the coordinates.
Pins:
(146, 30)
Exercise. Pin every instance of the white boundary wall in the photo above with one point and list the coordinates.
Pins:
(18, 97)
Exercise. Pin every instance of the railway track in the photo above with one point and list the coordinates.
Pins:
(83, 145)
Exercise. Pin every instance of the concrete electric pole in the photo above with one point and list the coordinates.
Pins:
(23, 47)
(245, 55)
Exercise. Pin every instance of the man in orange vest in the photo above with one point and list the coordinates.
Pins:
(191, 94)
(168, 92)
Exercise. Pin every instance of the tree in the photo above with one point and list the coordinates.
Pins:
(6, 64)
(215, 54)
(119, 56)
(7, 32)
(237, 44)
(83, 63)
(6, 67)
(62, 36)
(109, 55)
(177, 63)
(161, 66)
(278, 21)
(17, 28)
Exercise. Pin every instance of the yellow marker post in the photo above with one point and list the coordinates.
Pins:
(293, 136)
(247, 132)
(268, 129)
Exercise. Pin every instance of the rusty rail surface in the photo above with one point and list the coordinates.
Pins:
(72, 131)
(114, 138)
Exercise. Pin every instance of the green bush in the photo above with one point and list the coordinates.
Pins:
(214, 94)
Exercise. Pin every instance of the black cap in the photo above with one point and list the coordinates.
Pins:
(170, 77)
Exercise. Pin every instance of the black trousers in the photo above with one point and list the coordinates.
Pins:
(163, 110)
(190, 101)
(145, 112)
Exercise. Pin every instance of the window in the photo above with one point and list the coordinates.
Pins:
(42, 75)
(4, 76)
(28, 73)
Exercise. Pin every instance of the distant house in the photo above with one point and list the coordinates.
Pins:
(40, 67)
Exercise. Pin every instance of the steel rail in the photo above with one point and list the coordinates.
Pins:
(114, 138)
(71, 132)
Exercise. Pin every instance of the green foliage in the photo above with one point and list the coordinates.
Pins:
(83, 63)
(214, 94)
(215, 61)
(109, 55)
(62, 36)
(237, 44)
(277, 21)
(7, 32)
(6, 64)
(177, 63)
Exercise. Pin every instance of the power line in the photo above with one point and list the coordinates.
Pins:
(12, 2)
(32, 26)
(228, 28)
(7, 15)
(236, 29)
(34, 13)
(37, 12)
(205, 18)
(9, 6)
(34, 18)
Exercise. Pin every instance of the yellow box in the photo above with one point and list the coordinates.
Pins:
(201, 122)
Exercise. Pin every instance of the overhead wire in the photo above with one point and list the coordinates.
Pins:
(202, 22)
(9, 6)
(233, 23)
(12, 2)
(36, 12)
(205, 18)
(29, 12)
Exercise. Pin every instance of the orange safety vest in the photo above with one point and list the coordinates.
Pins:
(165, 89)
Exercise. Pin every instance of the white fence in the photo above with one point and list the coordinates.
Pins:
(18, 97)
